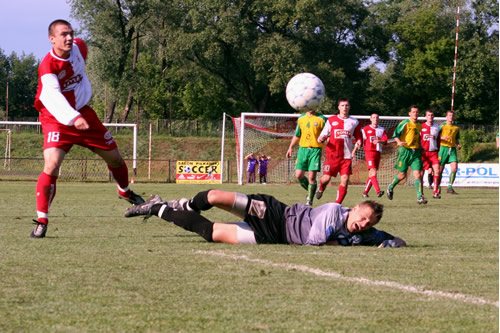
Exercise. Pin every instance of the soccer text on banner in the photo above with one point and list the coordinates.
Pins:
(198, 172)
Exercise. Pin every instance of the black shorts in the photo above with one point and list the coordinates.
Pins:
(266, 216)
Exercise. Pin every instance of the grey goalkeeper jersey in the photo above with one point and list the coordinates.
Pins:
(315, 226)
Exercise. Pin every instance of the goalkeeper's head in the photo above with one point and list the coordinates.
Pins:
(364, 216)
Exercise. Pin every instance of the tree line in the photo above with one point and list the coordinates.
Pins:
(195, 59)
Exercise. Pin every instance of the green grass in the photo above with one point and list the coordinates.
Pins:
(97, 271)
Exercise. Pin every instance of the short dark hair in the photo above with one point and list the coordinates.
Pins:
(344, 99)
(378, 209)
(57, 22)
(413, 107)
(450, 111)
(429, 110)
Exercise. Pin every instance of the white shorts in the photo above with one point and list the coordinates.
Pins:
(245, 233)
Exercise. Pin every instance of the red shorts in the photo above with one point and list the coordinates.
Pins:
(372, 159)
(429, 158)
(335, 165)
(57, 135)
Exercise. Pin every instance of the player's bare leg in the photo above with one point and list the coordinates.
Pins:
(119, 170)
(225, 233)
(301, 177)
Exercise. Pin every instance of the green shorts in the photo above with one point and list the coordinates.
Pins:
(447, 155)
(308, 159)
(408, 158)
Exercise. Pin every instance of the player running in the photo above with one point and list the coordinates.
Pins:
(407, 137)
(62, 96)
(429, 141)
(309, 126)
(269, 221)
(374, 136)
(339, 131)
(450, 137)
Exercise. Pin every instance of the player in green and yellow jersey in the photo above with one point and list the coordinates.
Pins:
(407, 137)
(309, 126)
(450, 142)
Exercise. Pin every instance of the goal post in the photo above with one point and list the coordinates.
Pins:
(6, 161)
(271, 133)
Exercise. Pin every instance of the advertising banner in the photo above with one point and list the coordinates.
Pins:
(471, 175)
(198, 172)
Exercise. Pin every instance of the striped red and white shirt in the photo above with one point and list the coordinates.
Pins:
(429, 137)
(63, 86)
(370, 134)
(341, 133)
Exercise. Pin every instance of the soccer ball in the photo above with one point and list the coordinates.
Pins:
(305, 91)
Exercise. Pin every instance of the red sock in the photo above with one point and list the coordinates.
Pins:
(368, 186)
(45, 193)
(120, 175)
(341, 192)
(375, 184)
(436, 184)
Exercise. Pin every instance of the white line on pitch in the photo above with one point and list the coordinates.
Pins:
(365, 281)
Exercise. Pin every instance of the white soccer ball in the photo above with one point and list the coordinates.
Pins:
(305, 91)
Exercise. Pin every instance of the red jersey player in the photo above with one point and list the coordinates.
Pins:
(62, 96)
(430, 138)
(374, 137)
(339, 130)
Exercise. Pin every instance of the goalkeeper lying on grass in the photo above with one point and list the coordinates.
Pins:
(269, 221)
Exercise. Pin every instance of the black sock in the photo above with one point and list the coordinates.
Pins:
(200, 201)
(190, 221)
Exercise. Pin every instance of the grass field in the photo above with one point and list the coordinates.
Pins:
(97, 271)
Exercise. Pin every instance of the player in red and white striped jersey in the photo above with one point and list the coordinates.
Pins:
(339, 131)
(430, 137)
(374, 137)
(62, 96)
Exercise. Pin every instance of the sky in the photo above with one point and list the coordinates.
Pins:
(24, 24)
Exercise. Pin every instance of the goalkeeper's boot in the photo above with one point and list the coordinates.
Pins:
(181, 204)
(380, 194)
(130, 196)
(144, 208)
(421, 201)
(39, 231)
(389, 192)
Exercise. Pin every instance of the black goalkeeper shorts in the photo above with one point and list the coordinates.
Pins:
(266, 216)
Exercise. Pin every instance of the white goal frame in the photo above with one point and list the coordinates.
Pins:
(134, 153)
(241, 138)
(6, 161)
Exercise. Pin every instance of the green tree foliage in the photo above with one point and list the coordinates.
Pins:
(199, 58)
(421, 48)
(20, 72)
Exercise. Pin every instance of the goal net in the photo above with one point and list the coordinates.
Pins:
(270, 134)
